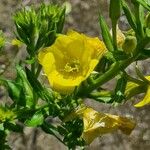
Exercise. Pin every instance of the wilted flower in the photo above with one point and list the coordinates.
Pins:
(70, 60)
(97, 123)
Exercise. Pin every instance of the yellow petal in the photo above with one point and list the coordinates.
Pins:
(146, 99)
(62, 84)
(99, 47)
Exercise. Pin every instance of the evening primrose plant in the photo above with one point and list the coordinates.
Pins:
(76, 67)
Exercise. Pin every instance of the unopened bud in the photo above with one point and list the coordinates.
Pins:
(129, 44)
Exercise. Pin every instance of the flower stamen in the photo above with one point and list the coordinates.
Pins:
(72, 66)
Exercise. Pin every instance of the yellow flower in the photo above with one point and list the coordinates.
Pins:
(70, 60)
(97, 123)
(6, 114)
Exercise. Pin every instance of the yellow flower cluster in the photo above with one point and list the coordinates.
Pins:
(70, 60)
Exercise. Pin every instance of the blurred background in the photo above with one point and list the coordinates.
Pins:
(82, 15)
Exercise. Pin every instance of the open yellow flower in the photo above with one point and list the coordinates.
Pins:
(70, 60)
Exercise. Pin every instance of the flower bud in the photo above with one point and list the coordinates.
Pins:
(38, 28)
(129, 44)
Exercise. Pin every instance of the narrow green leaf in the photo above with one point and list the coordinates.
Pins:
(106, 34)
(60, 24)
(144, 4)
(41, 91)
(129, 15)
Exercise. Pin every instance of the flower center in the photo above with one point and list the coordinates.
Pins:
(72, 66)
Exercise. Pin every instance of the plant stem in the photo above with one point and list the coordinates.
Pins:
(111, 73)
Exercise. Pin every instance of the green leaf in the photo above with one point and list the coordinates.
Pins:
(36, 120)
(41, 91)
(16, 93)
(27, 89)
(106, 34)
(129, 15)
